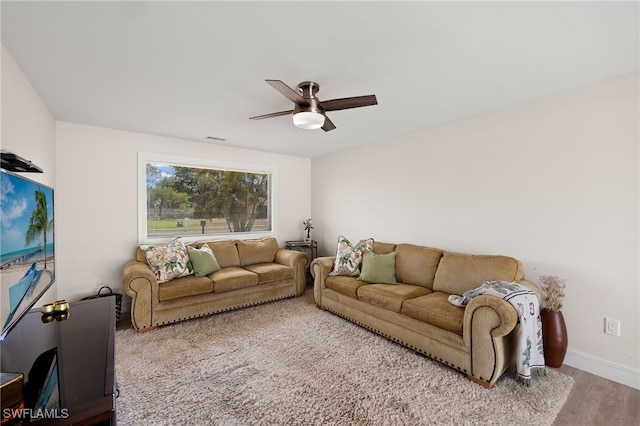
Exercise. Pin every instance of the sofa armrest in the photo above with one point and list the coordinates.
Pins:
(142, 286)
(299, 262)
(320, 268)
(487, 331)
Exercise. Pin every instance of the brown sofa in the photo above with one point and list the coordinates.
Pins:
(477, 340)
(253, 272)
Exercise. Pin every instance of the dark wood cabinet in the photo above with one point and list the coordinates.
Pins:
(68, 364)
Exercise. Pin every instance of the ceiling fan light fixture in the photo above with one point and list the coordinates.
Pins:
(308, 120)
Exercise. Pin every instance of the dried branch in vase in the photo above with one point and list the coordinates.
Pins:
(552, 287)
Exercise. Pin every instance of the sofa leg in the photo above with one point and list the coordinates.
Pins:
(145, 329)
(480, 382)
(319, 307)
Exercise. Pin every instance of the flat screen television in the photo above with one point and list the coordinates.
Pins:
(27, 246)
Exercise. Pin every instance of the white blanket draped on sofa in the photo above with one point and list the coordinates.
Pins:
(530, 354)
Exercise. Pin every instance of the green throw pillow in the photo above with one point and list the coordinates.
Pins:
(203, 260)
(378, 268)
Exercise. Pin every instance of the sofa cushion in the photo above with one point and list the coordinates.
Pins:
(436, 310)
(349, 256)
(183, 287)
(383, 248)
(225, 252)
(257, 251)
(390, 296)
(270, 272)
(378, 268)
(232, 278)
(203, 260)
(344, 285)
(417, 264)
(459, 272)
(168, 261)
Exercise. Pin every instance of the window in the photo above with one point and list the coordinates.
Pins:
(195, 198)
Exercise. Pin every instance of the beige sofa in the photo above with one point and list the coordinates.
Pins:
(477, 340)
(253, 272)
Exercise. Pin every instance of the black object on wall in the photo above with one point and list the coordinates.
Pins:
(14, 163)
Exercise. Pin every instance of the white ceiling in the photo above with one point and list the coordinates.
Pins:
(195, 69)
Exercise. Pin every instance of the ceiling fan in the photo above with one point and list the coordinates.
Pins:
(309, 112)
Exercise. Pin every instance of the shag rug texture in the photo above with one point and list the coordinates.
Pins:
(289, 363)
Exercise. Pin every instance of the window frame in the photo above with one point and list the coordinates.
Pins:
(146, 157)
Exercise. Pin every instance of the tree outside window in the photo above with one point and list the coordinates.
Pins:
(186, 200)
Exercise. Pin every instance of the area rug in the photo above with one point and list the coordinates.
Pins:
(289, 363)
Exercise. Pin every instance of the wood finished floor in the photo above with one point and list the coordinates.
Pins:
(597, 401)
(593, 400)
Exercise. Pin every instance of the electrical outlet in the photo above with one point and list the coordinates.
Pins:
(612, 326)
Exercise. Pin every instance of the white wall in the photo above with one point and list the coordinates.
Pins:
(97, 198)
(553, 182)
(28, 130)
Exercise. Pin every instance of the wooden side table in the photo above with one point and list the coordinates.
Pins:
(310, 248)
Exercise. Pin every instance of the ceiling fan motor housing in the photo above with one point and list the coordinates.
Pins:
(308, 90)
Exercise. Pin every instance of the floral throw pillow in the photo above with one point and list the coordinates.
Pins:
(168, 261)
(349, 257)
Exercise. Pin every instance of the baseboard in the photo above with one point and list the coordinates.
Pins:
(603, 368)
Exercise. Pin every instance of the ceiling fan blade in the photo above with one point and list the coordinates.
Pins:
(273, 114)
(288, 92)
(328, 124)
(346, 103)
